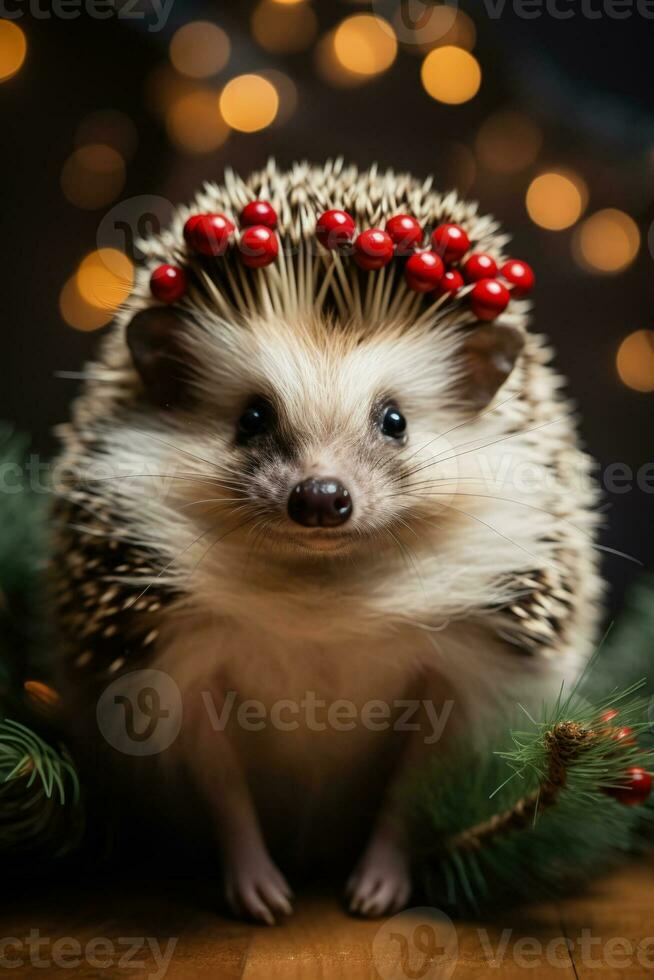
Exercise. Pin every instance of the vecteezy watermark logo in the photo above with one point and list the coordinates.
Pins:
(504, 475)
(585, 949)
(316, 714)
(422, 944)
(140, 713)
(425, 22)
(419, 22)
(145, 954)
(417, 944)
(153, 14)
(132, 221)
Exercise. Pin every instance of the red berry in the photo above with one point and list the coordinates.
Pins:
(406, 233)
(488, 299)
(451, 242)
(208, 234)
(634, 789)
(258, 246)
(335, 229)
(520, 274)
(168, 283)
(423, 271)
(373, 249)
(451, 282)
(259, 213)
(624, 735)
(479, 266)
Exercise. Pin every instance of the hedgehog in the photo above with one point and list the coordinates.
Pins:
(355, 508)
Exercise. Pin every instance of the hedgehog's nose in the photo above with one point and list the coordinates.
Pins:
(320, 503)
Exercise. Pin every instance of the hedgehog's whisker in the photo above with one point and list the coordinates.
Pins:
(491, 496)
(244, 523)
(258, 532)
(168, 564)
(511, 435)
(377, 462)
(212, 500)
(425, 521)
(178, 449)
(475, 418)
(620, 554)
(204, 480)
(406, 554)
(538, 559)
(441, 480)
(405, 524)
(522, 503)
(421, 487)
(413, 559)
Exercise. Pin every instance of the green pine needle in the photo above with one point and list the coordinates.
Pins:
(40, 802)
(585, 831)
(39, 794)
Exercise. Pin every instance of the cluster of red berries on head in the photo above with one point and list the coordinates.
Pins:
(211, 235)
(442, 269)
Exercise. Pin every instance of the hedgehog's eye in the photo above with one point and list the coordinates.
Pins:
(393, 422)
(255, 420)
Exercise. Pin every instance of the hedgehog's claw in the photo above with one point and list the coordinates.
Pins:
(256, 889)
(381, 884)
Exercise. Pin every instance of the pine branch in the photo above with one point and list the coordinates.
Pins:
(479, 842)
(41, 815)
(39, 795)
(565, 743)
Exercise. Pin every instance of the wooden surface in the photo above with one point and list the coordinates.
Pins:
(98, 925)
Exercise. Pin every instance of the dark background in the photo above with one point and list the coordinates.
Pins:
(586, 82)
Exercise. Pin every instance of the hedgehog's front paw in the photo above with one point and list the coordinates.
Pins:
(255, 888)
(381, 883)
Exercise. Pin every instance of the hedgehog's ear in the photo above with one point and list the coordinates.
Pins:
(155, 340)
(489, 353)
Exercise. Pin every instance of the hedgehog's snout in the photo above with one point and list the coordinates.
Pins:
(320, 502)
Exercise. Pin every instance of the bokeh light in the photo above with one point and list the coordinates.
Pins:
(435, 26)
(330, 69)
(44, 699)
(110, 127)
(607, 241)
(199, 49)
(508, 142)
(365, 45)
(13, 49)
(286, 92)
(93, 176)
(451, 75)
(249, 103)
(635, 360)
(556, 200)
(79, 314)
(283, 28)
(105, 278)
(195, 124)
(164, 86)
